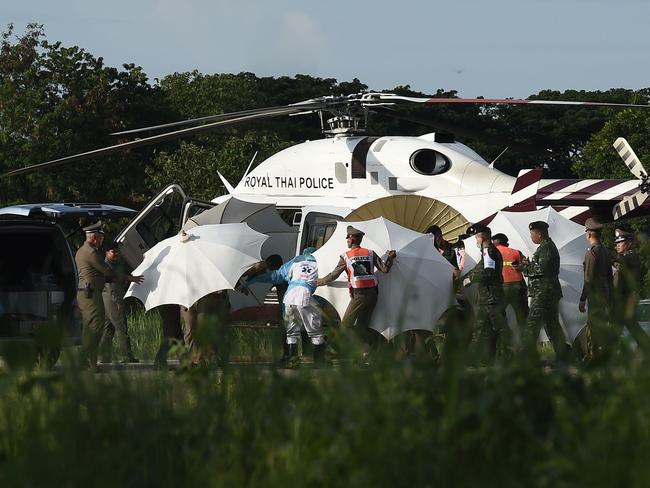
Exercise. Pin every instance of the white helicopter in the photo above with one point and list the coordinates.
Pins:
(414, 181)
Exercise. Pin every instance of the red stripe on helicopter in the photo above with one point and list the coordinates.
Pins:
(527, 179)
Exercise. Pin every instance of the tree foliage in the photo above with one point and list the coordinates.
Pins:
(57, 101)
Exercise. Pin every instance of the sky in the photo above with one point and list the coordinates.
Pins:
(490, 48)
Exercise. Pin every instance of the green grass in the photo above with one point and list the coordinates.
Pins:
(396, 423)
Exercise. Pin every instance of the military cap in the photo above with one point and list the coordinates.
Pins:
(592, 224)
(500, 237)
(355, 232)
(538, 225)
(477, 228)
(622, 236)
(92, 228)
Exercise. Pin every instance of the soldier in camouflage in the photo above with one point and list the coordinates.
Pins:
(490, 315)
(544, 291)
(627, 287)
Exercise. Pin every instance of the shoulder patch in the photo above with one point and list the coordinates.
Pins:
(488, 262)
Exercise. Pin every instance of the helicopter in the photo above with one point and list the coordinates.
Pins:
(414, 181)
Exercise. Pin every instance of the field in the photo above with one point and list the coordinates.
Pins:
(396, 423)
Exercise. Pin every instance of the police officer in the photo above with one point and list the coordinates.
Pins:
(113, 298)
(93, 272)
(627, 286)
(597, 292)
(359, 263)
(490, 316)
(515, 291)
(544, 291)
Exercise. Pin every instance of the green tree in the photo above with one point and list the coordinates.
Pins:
(57, 101)
(195, 167)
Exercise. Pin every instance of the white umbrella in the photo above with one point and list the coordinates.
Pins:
(416, 292)
(180, 270)
(569, 238)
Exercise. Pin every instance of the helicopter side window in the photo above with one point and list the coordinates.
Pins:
(429, 162)
(318, 229)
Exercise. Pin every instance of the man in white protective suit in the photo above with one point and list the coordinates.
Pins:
(300, 309)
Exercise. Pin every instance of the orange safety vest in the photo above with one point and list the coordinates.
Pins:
(359, 265)
(510, 255)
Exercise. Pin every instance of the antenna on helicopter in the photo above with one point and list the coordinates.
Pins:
(500, 154)
(635, 166)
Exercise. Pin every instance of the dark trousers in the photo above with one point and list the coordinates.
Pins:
(602, 337)
(171, 330)
(545, 312)
(516, 295)
(358, 314)
(491, 327)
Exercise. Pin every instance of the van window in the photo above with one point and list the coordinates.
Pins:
(34, 260)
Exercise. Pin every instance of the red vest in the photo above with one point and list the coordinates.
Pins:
(359, 267)
(510, 255)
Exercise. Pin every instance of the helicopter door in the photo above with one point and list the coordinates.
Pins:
(158, 220)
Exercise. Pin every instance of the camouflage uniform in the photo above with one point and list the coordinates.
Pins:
(545, 293)
(597, 292)
(92, 276)
(490, 315)
(627, 286)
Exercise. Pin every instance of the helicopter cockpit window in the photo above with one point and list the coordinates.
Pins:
(429, 162)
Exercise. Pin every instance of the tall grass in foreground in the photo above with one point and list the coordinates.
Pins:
(395, 424)
(262, 344)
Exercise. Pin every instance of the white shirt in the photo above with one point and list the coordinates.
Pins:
(301, 271)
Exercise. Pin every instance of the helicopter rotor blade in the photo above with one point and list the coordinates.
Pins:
(493, 101)
(630, 158)
(206, 119)
(464, 131)
(628, 204)
(148, 141)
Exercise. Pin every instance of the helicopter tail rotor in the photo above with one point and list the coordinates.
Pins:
(632, 161)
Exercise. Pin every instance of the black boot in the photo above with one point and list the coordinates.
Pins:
(292, 360)
(319, 355)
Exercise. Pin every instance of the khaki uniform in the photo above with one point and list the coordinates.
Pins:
(627, 286)
(115, 321)
(362, 303)
(205, 328)
(597, 292)
(93, 273)
(545, 293)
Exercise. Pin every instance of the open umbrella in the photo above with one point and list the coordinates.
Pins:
(569, 238)
(262, 217)
(416, 292)
(182, 269)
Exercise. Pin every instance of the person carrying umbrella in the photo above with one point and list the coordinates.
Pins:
(359, 264)
(544, 291)
(515, 291)
(444, 247)
(627, 287)
(490, 316)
